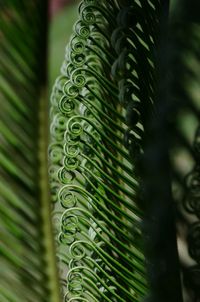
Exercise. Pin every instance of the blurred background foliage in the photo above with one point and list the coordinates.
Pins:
(62, 21)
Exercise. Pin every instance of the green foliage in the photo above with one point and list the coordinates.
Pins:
(60, 29)
(172, 153)
(96, 132)
(123, 161)
(26, 233)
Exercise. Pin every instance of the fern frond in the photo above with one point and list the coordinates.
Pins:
(172, 151)
(186, 160)
(98, 112)
(27, 265)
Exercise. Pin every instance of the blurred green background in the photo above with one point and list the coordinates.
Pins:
(60, 31)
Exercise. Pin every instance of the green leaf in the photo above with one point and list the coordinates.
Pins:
(97, 112)
(27, 255)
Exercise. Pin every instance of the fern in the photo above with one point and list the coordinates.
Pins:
(185, 148)
(119, 131)
(98, 117)
(27, 264)
(172, 151)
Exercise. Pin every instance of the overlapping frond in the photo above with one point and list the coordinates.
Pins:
(173, 152)
(99, 103)
(185, 144)
(24, 241)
